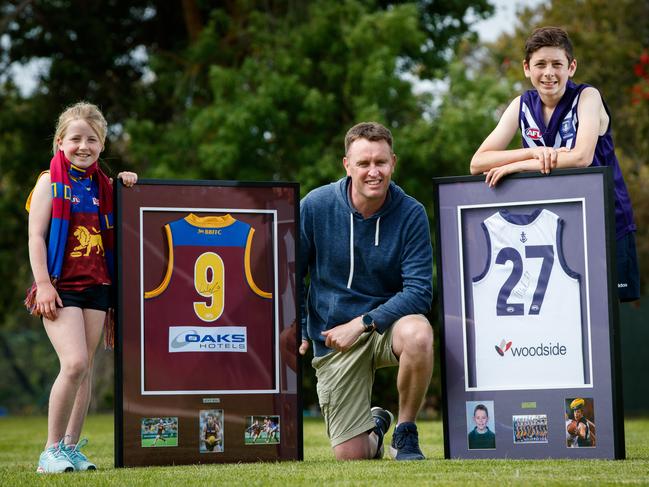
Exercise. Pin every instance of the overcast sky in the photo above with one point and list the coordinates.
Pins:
(503, 19)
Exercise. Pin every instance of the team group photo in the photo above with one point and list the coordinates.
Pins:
(356, 242)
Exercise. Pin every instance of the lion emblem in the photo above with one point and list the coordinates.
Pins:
(87, 241)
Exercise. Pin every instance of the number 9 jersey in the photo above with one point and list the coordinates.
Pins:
(207, 326)
(527, 306)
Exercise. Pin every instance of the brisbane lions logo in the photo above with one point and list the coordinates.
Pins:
(533, 133)
(87, 241)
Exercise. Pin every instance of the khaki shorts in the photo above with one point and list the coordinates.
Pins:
(345, 384)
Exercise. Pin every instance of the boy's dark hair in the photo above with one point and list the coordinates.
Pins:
(371, 131)
(481, 407)
(548, 37)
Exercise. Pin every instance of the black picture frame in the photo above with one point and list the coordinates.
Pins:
(531, 412)
(159, 421)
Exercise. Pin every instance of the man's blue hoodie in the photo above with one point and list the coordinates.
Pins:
(381, 265)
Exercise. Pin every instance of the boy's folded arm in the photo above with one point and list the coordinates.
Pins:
(482, 162)
(589, 109)
(492, 152)
(495, 174)
(575, 158)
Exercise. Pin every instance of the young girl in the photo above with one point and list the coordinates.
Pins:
(70, 251)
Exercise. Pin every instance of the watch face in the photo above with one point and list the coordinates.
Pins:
(367, 320)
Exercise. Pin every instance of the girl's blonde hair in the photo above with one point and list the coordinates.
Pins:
(80, 111)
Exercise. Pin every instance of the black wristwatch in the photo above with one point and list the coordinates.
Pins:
(368, 323)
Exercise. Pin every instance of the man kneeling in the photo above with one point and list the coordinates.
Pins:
(365, 245)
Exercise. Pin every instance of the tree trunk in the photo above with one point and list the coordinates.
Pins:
(193, 21)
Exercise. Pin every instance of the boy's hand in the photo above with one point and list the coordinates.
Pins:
(128, 178)
(495, 174)
(547, 157)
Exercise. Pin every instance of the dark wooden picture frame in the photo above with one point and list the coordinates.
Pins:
(201, 397)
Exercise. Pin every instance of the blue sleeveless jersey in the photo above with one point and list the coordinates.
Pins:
(562, 132)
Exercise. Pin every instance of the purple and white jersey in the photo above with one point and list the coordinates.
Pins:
(561, 131)
(527, 306)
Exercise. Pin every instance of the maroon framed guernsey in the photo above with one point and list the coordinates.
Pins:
(206, 336)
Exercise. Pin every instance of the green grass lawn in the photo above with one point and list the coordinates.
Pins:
(262, 440)
(21, 439)
(168, 441)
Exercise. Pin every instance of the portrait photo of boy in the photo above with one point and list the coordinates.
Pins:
(480, 426)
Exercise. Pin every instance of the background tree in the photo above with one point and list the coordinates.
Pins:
(278, 105)
(265, 90)
(242, 90)
(89, 50)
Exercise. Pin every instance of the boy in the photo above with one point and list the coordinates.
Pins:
(481, 437)
(562, 125)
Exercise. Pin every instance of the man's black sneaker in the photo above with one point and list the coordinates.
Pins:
(382, 419)
(405, 443)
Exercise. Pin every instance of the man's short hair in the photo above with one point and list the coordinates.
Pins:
(548, 37)
(371, 131)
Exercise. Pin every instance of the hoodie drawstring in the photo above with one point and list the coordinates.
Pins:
(351, 250)
(351, 245)
(376, 234)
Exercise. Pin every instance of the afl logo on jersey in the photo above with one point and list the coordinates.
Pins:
(533, 133)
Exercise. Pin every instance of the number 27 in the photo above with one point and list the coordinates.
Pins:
(510, 254)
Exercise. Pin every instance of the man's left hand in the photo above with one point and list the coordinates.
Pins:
(342, 337)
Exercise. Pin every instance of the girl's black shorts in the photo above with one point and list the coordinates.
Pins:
(94, 297)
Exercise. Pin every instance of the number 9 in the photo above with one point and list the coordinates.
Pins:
(209, 282)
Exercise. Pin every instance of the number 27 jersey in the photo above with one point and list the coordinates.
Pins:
(527, 306)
